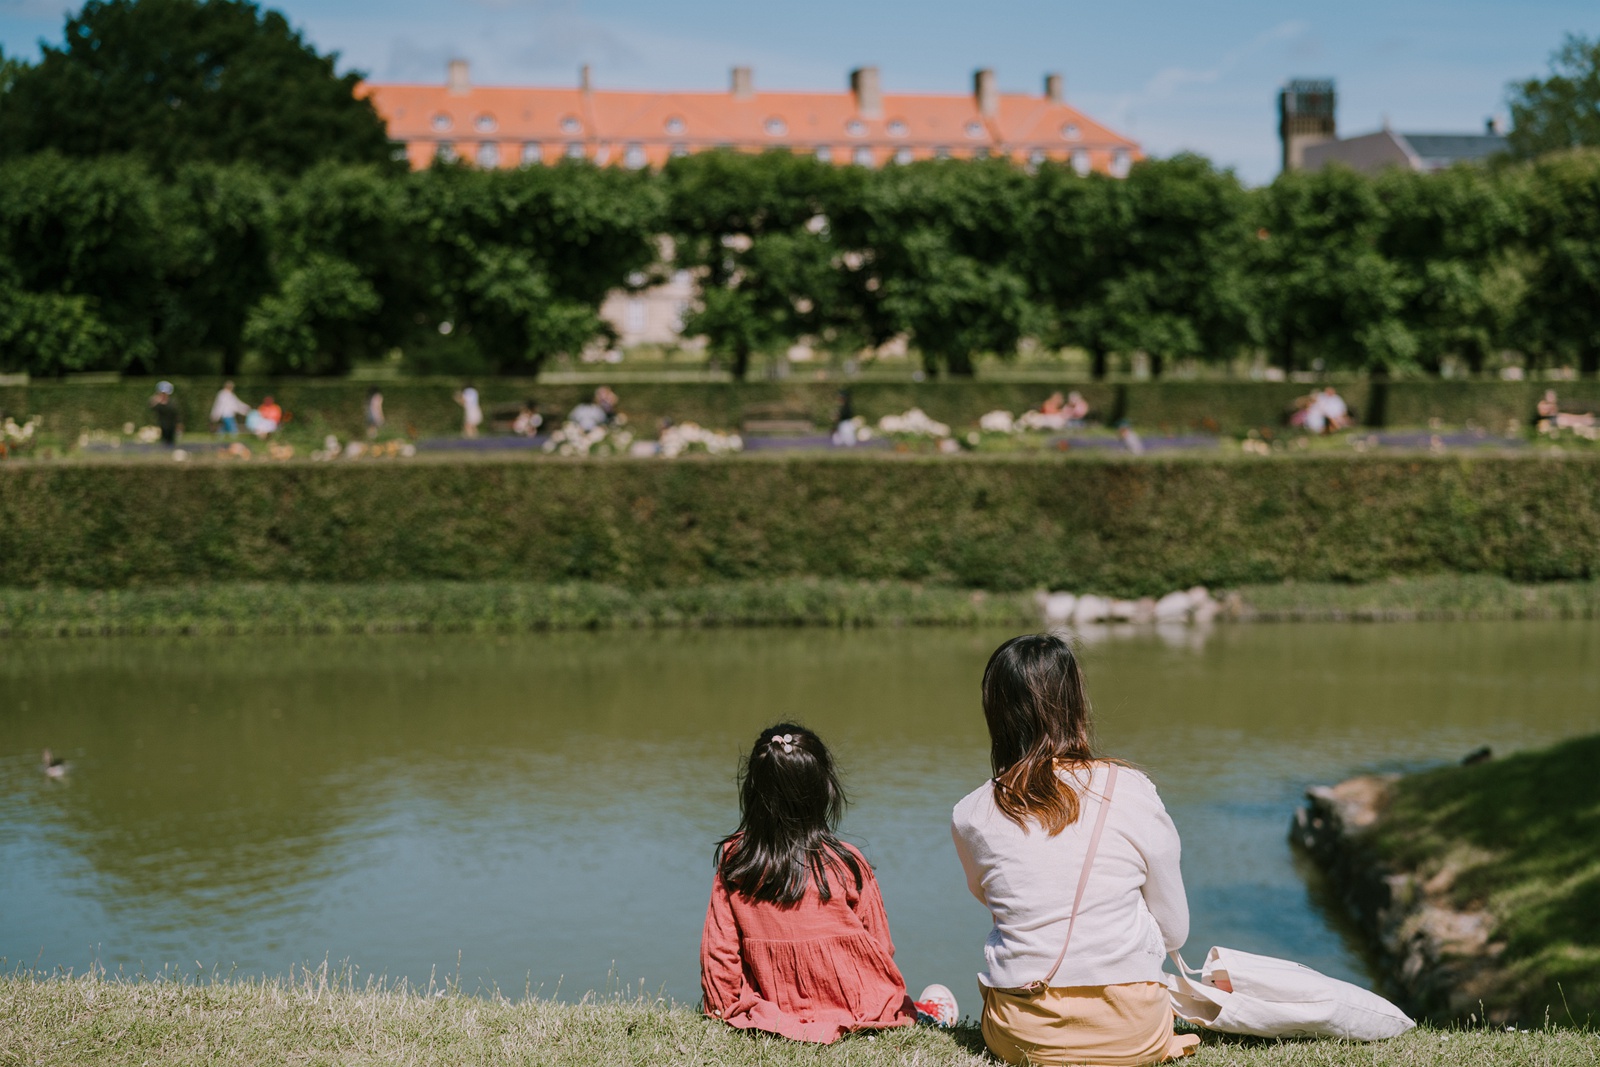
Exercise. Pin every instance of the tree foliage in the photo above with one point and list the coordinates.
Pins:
(184, 81)
(1563, 110)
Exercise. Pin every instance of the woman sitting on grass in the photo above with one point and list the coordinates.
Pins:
(796, 941)
(1055, 990)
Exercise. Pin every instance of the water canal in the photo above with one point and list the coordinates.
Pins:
(538, 812)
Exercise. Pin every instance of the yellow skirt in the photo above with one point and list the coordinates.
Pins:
(1104, 1025)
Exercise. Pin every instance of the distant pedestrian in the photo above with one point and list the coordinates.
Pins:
(471, 411)
(226, 410)
(606, 399)
(844, 422)
(528, 419)
(796, 940)
(169, 417)
(374, 411)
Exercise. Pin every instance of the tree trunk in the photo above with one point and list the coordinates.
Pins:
(231, 355)
(1097, 363)
(960, 364)
(1157, 365)
(741, 362)
(1286, 354)
(1475, 356)
(1589, 360)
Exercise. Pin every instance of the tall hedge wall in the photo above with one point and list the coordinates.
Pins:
(336, 405)
(1108, 525)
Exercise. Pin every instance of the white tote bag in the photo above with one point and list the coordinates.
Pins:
(1279, 998)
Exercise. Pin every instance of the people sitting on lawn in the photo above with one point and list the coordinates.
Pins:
(1321, 411)
(1058, 412)
(606, 399)
(796, 940)
(1550, 419)
(265, 419)
(528, 419)
(588, 417)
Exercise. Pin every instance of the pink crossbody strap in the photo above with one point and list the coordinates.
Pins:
(1083, 877)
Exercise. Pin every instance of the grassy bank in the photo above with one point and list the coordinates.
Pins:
(1518, 838)
(58, 1022)
(1002, 523)
(445, 607)
(228, 608)
(424, 406)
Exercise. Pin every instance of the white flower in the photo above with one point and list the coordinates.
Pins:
(149, 435)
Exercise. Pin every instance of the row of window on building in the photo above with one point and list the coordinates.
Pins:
(774, 127)
(634, 156)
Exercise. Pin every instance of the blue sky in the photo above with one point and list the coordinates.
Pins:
(1175, 74)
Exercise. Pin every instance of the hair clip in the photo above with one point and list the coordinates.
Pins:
(786, 740)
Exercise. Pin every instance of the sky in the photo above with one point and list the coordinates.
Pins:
(1176, 75)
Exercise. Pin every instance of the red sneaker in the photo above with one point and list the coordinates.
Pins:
(937, 1005)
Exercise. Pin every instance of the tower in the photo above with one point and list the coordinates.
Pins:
(1305, 117)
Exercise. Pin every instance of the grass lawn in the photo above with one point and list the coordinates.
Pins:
(314, 1021)
(1519, 838)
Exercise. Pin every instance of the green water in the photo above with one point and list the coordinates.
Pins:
(539, 812)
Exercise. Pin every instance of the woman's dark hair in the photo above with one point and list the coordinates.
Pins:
(790, 802)
(1037, 709)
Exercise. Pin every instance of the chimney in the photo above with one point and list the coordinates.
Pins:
(1052, 89)
(460, 77)
(868, 92)
(744, 83)
(985, 93)
(583, 78)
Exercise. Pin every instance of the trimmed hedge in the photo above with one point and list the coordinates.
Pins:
(1002, 524)
(425, 406)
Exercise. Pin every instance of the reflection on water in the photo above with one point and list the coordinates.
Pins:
(539, 811)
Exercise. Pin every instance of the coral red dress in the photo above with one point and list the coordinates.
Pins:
(812, 971)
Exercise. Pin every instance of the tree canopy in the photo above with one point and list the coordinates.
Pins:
(187, 81)
(1563, 110)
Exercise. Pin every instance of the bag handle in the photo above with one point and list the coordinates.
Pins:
(1083, 876)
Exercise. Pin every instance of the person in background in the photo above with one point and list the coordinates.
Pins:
(374, 411)
(471, 410)
(528, 420)
(844, 423)
(1076, 409)
(226, 409)
(1334, 409)
(265, 419)
(587, 417)
(1057, 835)
(607, 400)
(1054, 404)
(1130, 437)
(169, 417)
(796, 940)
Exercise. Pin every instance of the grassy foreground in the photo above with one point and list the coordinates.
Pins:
(314, 1021)
(225, 608)
(1518, 838)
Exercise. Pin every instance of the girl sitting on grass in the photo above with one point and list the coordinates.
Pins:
(796, 942)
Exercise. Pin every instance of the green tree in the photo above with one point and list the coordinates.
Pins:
(756, 232)
(519, 261)
(1563, 110)
(219, 229)
(1324, 286)
(180, 81)
(1562, 306)
(1457, 235)
(1152, 263)
(349, 280)
(940, 256)
(83, 259)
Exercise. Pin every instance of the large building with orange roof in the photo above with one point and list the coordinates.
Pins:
(494, 126)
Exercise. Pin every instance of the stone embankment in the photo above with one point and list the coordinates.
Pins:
(1183, 607)
(1439, 961)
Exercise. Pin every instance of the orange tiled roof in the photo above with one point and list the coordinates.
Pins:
(526, 125)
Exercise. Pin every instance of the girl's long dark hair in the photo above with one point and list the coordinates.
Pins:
(790, 803)
(1037, 708)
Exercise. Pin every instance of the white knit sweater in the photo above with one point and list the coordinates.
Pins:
(1134, 910)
